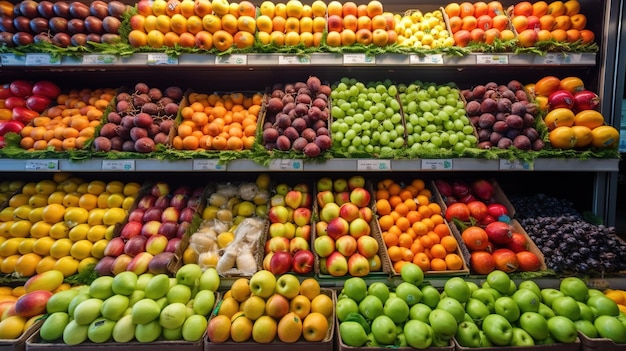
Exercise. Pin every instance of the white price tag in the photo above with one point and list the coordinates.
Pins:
(430, 59)
(42, 165)
(598, 283)
(42, 59)
(558, 59)
(161, 59)
(373, 165)
(12, 60)
(515, 165)
(437, 165)
(286, 165)
(118, 165)
(492, 59)
(97, 59)
(293, 60)
(208, 165)
(358, 59)
(235, 59)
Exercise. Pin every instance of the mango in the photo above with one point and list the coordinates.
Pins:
(76, 301)
(12, 327)
(124, 329)
(125, 283)
(142, 280)
(145, 311)
(189, 274)
(148, 332)
(157, 287)
(203, 302)
(52, 328)
(60, 302)
(87, 311)
(75, 333)
(100, 330)
(136, 296)
(32, 303)
(194, 327)
(209, 280)
(173, 315)
(102, 287)
(162, 302)
(48, 281)
(114, 307)
(172, 334)
(178, 293)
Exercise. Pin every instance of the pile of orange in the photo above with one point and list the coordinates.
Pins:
(70, 124)
(218, 122)
(413, 228)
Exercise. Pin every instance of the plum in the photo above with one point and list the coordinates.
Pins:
(313, 83)
(291, 133)
(108, 130)
(504, 105)
(518, 108)
(102, 143)
(144, 145)
(175, 93)
(143, 120)
(323, 142)
(299, 124)
(303, 99)
(505, 143)
(488, 105)
(514, 121)
(275, 104)
(522, 142)
(142, 88)
(309, 134)
(270, 135)
(312, 150)
(299, 144)
(473, 108)
(486, 120)
(283, 143)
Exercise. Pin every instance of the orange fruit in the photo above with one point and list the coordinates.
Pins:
(390, 239)
(420, 228)
(383, 207)
(395, 253)
(453, 261)
(449, 242)
(426, 241)
(403, 224)
(438, 264)
(438, 251)
(442, 230)
(417, 247)
(422, 260)
(407, 255)
(405, 240)
(386, 222)
(397, 266)
(401, 209)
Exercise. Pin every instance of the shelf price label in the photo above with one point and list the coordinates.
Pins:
(293, 60)
(11, 60)
(286, 165)
(98, 59)
(437, 165)
(598, 283)
(235, 59)
(373, 165)
(207, 165)
(429, 59)
(161, 59)
(558, 59)
(515, 165)
(359, 59)
(492, 59)
(118, 165)
(42, 165)
(42, 59)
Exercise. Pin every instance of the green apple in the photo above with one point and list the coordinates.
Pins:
(468, 335)
(472, 286)
(498, 330)
(288, 285)
(371, 307)
(384, 330)
(506, 307)
(562, 329)
(458, 289)
(355, 288)
(592, 292)
(484, 340)
(410, 293)
(418, 334)
(135, 296)
(566, 306)
(500, 281)
(352, 334)
(549, 294)
(527, 300)
(401, 340)
(101, 288)
(546, 311)
(419, 312)
(412, 273)
(531, 285)
(263, 283)
(534, 324)
(142, 281)
(209, 280)
(574, 287)
(380, 290)
(585, 311)
(189, 274)
(203, 302)
(345, 306)
(179, 293)
(444, 324)
(430, 296)
(586, 328)
(610, 327)
(603, 306)
(124, 283)
(396, 309)
(521, 338)
(547, 341)
(477, 310)
(453, 306)
(485, 296)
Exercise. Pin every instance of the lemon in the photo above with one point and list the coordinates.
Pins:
(96, 232)
(20, 229)
(29, 189)
(46, 264)
(26, 246)
(42, 245)
(53, 213)
(36, 214)
(115, 200)
(95, 216)
(59, 230)
(85, 264)
(96, 187)
(19, 200)
(82, 188)
(67, 265)
(22, 212)
(79, 232)
(245, 209)
(71, 199)
(97, 249)
(103, 199)
(6, 214)
(191, 256)
(61, 177)
(88, 201)
(16, 185)
(61, 248)
(8, 264)
(263, 181)
(38, 200)
(81, 249)
(68, 186)
(224, 239)
(131, 189)
(10, 247)
(46, 187)
(56, 197)
(210, 212)
(129, 201)
(5, 228)
(40, 229)
(75, 216)
(110, 233)
(114, 215)
(114, 186)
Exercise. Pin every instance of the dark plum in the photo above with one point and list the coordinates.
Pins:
(313, 83)
(275, 104)
(144, 145)
(303, 99)
(505, 143)
(488, 105)
(128, 146)
(161, 138)
(137, 133)
(518, 108)
(484, 145)
(495, 137)
(478, 92)
(522, 142)
(102, 143)
(270, 135)
(309, 134)
(312, 150)
(473, 108)
(174, 93)
(538, 144)
(483, 135)
(299, 124)
(531, 133)
(291, 133)
(143, 120)
(299, 144)
(514, 121)
(323, 142)
(500, 127)
(108, 130)
(486, 120)
(283, 143)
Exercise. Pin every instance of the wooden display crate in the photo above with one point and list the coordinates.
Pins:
(575, 346)
(597, 344)
(19, 344)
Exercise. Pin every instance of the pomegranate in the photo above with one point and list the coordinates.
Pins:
(459, 211)
(478, 210)
(483, 189)
(518, 242)
(499, 233)
(444, 187)
(586, 100)
(460, 188)
(496, 210)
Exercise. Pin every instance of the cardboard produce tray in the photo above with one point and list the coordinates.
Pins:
(34, 344)
(596, 344)
(325, 345)
(19, 344)
(575, 346)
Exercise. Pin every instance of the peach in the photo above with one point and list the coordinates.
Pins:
(546, 22)
(278, 23)
(520, 23)
(380, 37)
(202, 8)
(348, 37)
(318, 8)
(391, 22)
(317, 41)
(557, 8)
(572, 7)
(222, 40)
(523, 8)
(306, 38)
(163, 23)
(543, 35)
(150, 23)
(379, 22)
(292, 25)
(137, 22)
(500, 22)
(233, 9)
(144, 8)
(158, 7)
(349, 8)
(495, 8)
(229, 23)
(374, 8)
(559, 35)
(452, 9)
(469, 22)
(534, 22)
(204, 40)
(527, 38)
(170, 39)
(294, 8)
(243, 39)
(462, 37)
(578, 21)
(246, 8)
(335, 8)
(264, 23)
(484, 22)
(194, 24)
(364, 36)
(467, 9)
(155, 39)
(319, 24)
(392, 37)
(572, 35)
(246, 23)
(364, 22)
(172, 8)
(306, 24)
(477, 35)
(562, 22)
(491, 35)
(264, 38)
(292, 38)
(507, 34)
(211, 23)
(587, 36)
(187, 40)
(456, 24)
(361, 10)
(178, 23)
(333, 39)
(277, 38)
(187, 8)
(280, 10)
(268, 9)
(480, 8)
(350, 22)
(335, 23)
(540, 8)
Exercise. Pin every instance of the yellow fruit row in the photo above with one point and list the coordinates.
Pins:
(619, 296)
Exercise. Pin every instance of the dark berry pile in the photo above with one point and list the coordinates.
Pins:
(568, 243)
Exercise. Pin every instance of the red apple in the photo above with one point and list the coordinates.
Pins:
(278, 243)
(367, 246)
(152, 214)
(360, 197)
(337, 227)
(278, 214)
(170, 214)
(179, 201)
(336, 264)
(359, 227)
(150, 228)
(342, 197)
(329, 212)
(302, 216)
(135, 245)
(168, 229)
(280, 262)
(131, 229)
(325, 197)
(298, 244)
(366, 213)
(293, 199)
(358, 265)
(303, 261)
(349, 211)
(307, 200)
(172, 245)
(346, 245)
(136, 215)
(324, 246)
(162, 201)
(304, 232)
(160, 189)
(499, 233)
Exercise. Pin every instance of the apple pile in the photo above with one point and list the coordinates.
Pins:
(152, 232)
(572, 117)
(505, 314)
(291, 23)
(365, 24)
(297, 118)
(232, 224)
(503, 115)
(366, 117)
(287, 246)
(142, 119)
(435, 117)
(131, 307)
(61, 23)
(559, 21)
(264, 309)
(63, 223)
(343, 239)
(422, 30)
(479, 22)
